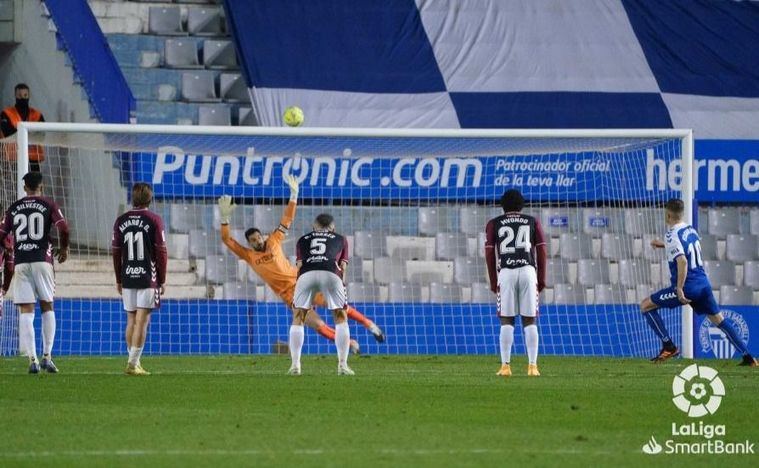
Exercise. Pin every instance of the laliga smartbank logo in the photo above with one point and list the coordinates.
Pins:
(698, 391)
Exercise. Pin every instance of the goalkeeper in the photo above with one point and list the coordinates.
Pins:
(266, 258)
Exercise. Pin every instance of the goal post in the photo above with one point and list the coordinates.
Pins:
(596, 191)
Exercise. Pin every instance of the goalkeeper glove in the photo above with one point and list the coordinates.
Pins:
(225, 208)
(293, 183)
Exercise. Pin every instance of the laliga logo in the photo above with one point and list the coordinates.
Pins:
(714, 340)
(698, 391)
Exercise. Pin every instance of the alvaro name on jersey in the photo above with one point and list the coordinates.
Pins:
(139, 249)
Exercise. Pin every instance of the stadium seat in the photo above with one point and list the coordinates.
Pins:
(445, 293)
(232, 88)
(434, 220)
(736, 295)
(740, 248)
(751, 274)
(363, 292)
(204, 243)
(220, 115)
(596, 221)
(184, 218)
(639, 222)
(245, 274)
(575, 246)
(450, 245)
(468, 270)
(246, 117)
(410, 248)
(634, 272)
(558, 221)
(181, 53)
(651, 253)
(473, 219)
(643, 291)
(355, 272)
(557, 272)
(245, 291)
(592, 272)
(219, 54)
(403, 292)
(425, 271)
(568, 294)
(481, 294)
(608, 294)
(388, 270)
(266, 217)
(616, 246)
(165, 20)
(204, 21)
(723, 221)
(754, 222)
(368, 244)
(708, 247)
(270, 296)
(720, 273)
(199, 87)
(664, 273)
(221, 269)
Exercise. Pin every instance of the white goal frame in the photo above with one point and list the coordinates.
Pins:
(685, 135)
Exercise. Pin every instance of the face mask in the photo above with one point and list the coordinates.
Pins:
(22, 103)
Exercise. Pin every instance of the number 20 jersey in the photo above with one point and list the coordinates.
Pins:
(515, 236)
(30, 220)
(138, 245)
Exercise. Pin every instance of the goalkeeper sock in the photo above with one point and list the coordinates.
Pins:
(342, 340)
(531, 342)
(353, 314)
(296, 344)
(657, 325)
(327, 332)
(26, 335)
(732, 334)
(507, 340)
(48, 332)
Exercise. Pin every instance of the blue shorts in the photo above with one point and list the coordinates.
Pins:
(701, 298)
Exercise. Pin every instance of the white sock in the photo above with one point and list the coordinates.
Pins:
(342, 341)
(507, 340)
(296, 344)
(531, 342)
(134, 355)
(26, 335)
(48, 332)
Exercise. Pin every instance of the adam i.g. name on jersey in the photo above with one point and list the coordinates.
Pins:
(134, 222)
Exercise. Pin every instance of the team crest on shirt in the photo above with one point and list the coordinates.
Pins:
(714, 340)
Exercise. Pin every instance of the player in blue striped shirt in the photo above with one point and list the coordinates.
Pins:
(690, 285)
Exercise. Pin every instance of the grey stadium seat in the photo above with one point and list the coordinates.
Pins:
(557, 221)
(443, 293)
(219, 54)
(433, 220)
(450, 245)
(557, 272)
(467, 270)
(204, 243)
(639, 222)
(723, 221)
(363, 292)
(634, 272)
(199, 87)
(403, 292)
(754, 222)
(596, 221)
(736, 295)
(616, 246)
(408, 249)
(608, 294)
(232, 88)
(651, 253)
(266, 217)
(575, 246)
(368, 244)
(246, 117)
(568, 294)
(720, 273)
(592, 272)
(355, 271)
(181, 53)
(165, 20)
(751, 274)
(740, 248)
(270, 295)
(184, 218)
(643, 291)
(204, 21)
(481, 294)
(473, 219)
(215, 115)
(239, 291)
(388, 270)
(708, 247)
(221, 269)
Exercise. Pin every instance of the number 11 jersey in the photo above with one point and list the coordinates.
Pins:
(139, 249)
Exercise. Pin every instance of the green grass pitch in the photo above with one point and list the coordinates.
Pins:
(397, 411)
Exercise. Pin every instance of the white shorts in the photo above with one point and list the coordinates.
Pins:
(139, 299)
(317, 281)
(32, 282)
(518, 292)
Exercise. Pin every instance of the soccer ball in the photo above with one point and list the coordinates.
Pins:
(293, 116)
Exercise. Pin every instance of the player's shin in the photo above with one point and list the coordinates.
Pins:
(531, 342)
(48, 332)
(656, 323)
(342, 341)
(296, 344)
(732, 335)
(26, 335)
(506, 340)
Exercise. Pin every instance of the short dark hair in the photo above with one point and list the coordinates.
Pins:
(512, 200)
(21, 86)
(32, 180)
(142, 195)
(324, 220)
(251, 231)
(675, 206)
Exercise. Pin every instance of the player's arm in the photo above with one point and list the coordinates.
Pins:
(8, 264)
(657, 244)
(682, 273)
(298, 255)
(161, 253)
(342, 259)
(63, 233)
(116, 241)
(490, 240)
(6, 227)
(226, 207)
(288, 216)
(540, 247)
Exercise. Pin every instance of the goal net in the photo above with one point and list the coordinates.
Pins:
(413, 204)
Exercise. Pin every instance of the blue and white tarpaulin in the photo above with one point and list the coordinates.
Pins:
(505, 64)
